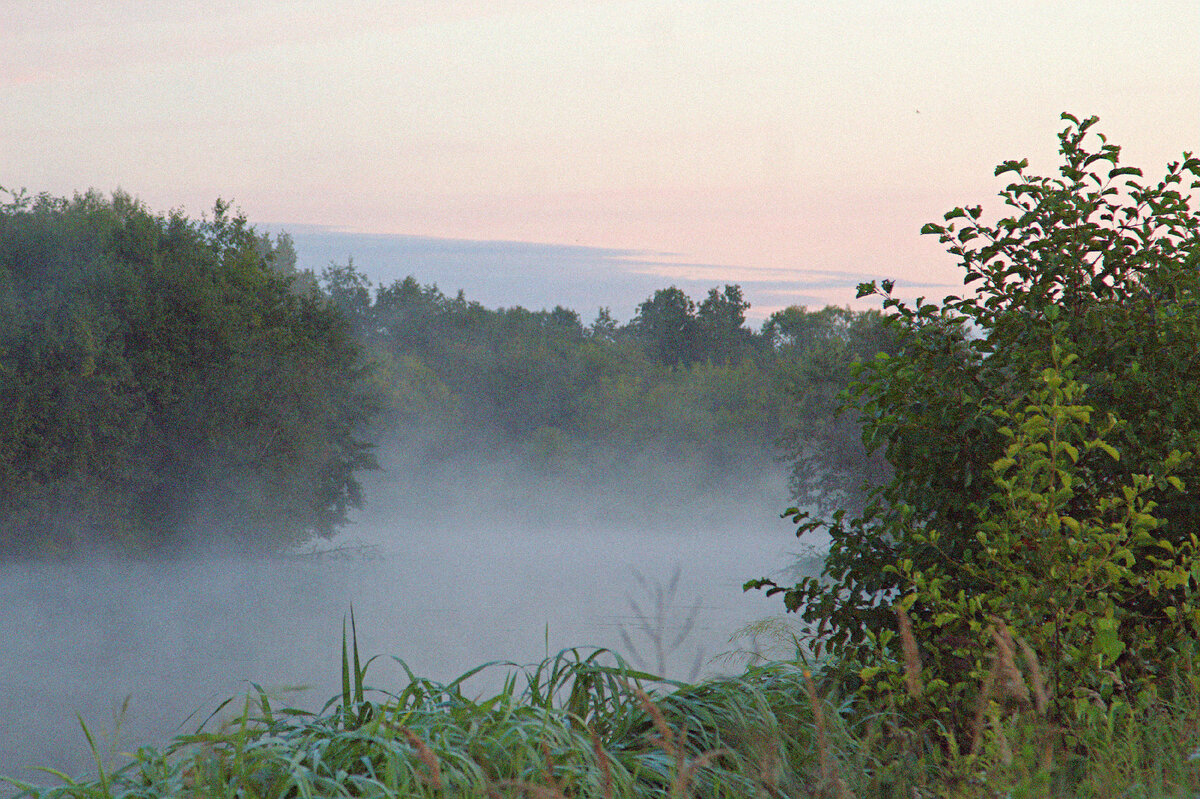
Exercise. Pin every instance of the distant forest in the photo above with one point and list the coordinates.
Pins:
(169, 383)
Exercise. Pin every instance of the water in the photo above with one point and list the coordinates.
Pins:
(445, 593)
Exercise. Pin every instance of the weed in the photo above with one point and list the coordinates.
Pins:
(665, 635)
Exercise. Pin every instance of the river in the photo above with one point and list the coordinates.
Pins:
(444, 590)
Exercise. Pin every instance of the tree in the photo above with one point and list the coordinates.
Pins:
(816, 352)
(350, 292)
(721, 319)
(166, 384)
(667, 324)
(604, 327)
(1040, 430)
(564, 322)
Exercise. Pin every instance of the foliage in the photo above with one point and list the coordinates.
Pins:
(667, 323)
(721, 319)
(165, 383)
(677, 384)
(817, 352)
(1077, 581)
(582, 723)
(1041, 431)
(576, 724)
(171, 383)
(677, 333)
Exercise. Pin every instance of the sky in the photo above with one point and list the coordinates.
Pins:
(795, 147)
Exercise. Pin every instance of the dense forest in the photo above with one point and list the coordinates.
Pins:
(681, 383)
(170, 383)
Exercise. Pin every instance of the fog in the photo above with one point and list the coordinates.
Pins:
(448, 567)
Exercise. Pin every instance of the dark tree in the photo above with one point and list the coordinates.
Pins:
(166, 384)
(721, 318)
(667, 325)
(816, 353)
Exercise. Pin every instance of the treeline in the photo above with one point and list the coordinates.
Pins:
(169, 383)
(682, 382)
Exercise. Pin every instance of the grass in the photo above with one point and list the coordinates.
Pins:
(586, 724)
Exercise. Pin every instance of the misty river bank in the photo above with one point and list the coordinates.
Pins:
(479, 569)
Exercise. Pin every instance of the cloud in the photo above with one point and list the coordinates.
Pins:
(536, 275)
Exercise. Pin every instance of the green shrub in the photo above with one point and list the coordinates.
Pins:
(1041, 431)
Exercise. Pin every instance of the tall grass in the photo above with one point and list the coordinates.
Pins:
(583, 723)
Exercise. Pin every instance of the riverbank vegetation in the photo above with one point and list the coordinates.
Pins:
(1044, 434)
(166, 383)
(171, 384)
(681, 384)
(583, 724)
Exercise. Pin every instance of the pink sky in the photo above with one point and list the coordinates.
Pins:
(759, 138)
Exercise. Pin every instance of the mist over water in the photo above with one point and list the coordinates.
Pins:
(449, 567)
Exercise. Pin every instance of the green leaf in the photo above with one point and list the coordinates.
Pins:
(1106, 640)
(1011, 166)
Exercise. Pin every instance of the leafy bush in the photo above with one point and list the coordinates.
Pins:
(1042, 433)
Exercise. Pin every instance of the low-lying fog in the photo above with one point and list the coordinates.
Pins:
(473, 563)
